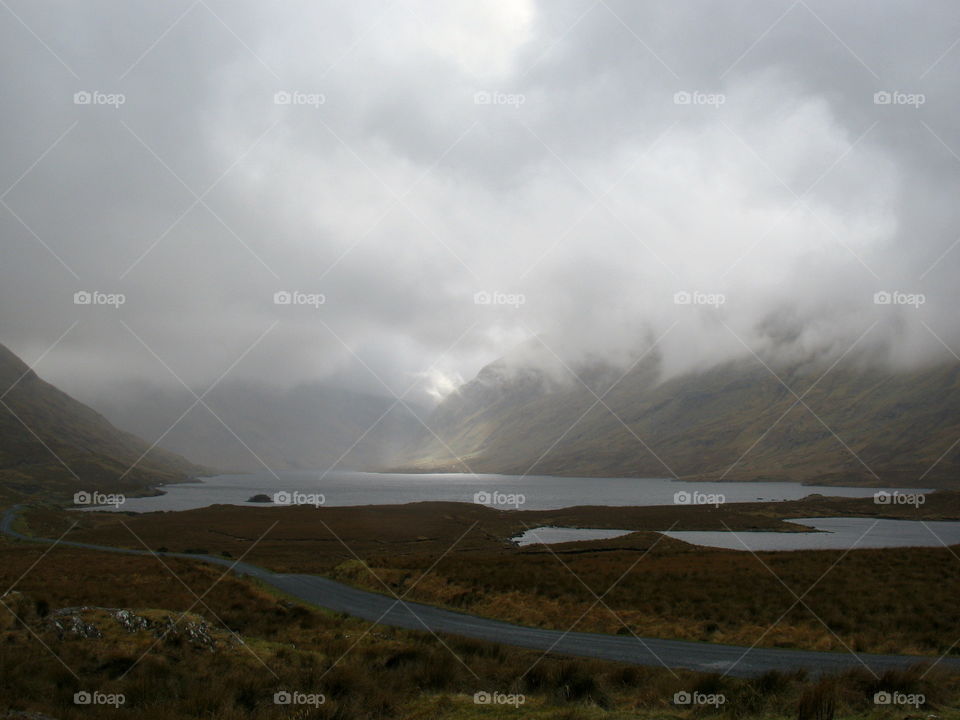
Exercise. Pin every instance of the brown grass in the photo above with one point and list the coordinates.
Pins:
(895, 600)
(364, 671)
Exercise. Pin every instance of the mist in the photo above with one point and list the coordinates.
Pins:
(387, 197)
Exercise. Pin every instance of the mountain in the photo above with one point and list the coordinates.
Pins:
(858, 423)
(244, 427)
(53, 444)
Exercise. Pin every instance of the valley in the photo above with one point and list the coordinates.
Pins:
(608, 609)
(458, 360)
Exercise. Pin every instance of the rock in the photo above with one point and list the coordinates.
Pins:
(130, 621)
(76, 626)
(260, 498)
(197, 633)
(92, 622)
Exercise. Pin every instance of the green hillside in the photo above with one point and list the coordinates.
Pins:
(53, 445)
(858, 424)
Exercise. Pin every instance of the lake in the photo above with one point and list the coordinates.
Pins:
(836, 534)
(550, 535)
(532, 492)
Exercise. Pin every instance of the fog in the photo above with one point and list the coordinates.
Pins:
(437, 183)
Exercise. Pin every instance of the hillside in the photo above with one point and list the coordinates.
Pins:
(519, 420)
(53, 444)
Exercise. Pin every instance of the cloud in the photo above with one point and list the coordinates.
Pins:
(595, 160)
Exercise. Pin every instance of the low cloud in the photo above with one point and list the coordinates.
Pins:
(657, 150)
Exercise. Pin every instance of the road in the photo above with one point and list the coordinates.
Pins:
(387, 610)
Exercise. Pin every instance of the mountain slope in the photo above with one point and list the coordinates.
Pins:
(856, 424)
(51, 443)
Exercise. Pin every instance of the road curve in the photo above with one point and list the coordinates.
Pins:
(386, 610)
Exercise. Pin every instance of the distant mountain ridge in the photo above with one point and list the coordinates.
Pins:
(52, 443)
(737, 421)
(254, 428)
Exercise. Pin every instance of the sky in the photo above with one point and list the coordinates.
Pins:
(389, 195)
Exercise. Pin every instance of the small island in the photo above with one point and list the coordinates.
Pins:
(260, 498)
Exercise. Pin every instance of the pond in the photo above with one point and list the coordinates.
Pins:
(553, 535)
(840, 533)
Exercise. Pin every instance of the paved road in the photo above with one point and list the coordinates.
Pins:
(386, 610)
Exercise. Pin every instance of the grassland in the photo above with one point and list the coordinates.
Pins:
(174, 658)
(459, 556)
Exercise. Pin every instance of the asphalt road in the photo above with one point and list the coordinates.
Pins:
(387, 610)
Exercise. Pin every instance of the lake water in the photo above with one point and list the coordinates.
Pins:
(533, 492)
(836, 534)
(554, 535)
